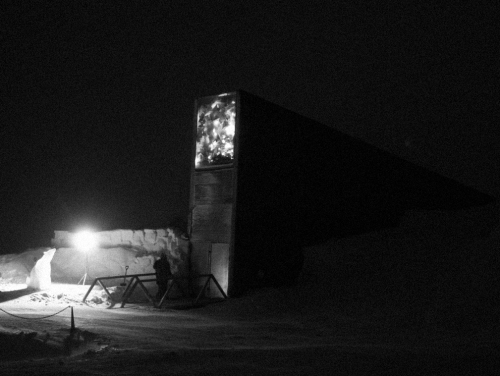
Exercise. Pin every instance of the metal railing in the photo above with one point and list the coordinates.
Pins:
(139, 280)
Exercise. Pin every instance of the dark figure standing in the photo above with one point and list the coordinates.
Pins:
(162, 268)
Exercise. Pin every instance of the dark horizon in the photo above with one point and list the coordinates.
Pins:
(97, 99)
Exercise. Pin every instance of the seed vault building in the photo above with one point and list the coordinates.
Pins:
(266, 181)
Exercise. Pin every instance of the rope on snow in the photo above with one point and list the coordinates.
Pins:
(34, 318)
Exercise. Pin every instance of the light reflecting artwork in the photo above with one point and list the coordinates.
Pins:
(216, 123)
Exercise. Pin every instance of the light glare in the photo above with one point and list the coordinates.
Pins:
(85, 240)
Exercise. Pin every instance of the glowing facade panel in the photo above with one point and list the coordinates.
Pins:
(216, 123)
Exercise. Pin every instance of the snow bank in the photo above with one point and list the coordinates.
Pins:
(14, 268)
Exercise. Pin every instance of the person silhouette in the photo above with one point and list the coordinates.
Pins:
(163, 272)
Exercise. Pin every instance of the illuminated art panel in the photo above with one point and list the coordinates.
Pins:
(216, 121)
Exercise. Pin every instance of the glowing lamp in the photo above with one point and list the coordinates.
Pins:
(85, 240)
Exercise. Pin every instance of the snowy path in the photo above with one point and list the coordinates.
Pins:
(261, 334)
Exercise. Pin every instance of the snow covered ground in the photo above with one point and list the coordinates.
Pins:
(379, 303)
(266, 332)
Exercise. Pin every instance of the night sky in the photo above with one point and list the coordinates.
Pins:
(97, 97)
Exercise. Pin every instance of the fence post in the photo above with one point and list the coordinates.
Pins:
(72, 321)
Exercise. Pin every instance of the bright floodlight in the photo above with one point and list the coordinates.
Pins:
(85, 240)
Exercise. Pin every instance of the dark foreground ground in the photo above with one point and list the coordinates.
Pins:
(258, 362)
(267, 332)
